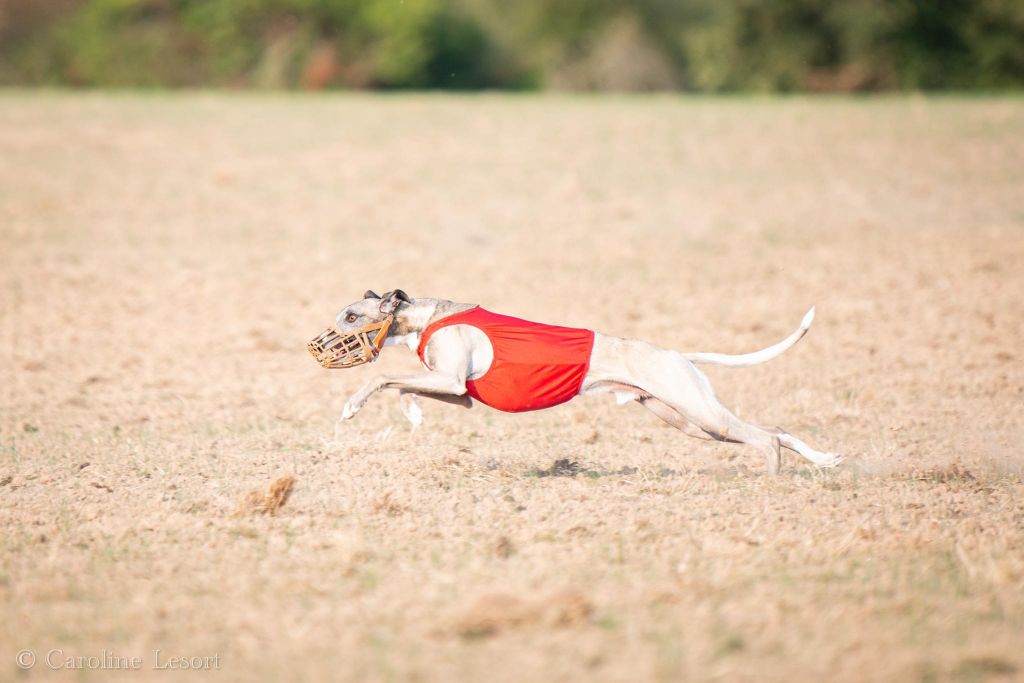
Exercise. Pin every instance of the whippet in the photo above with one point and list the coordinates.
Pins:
(517, 365)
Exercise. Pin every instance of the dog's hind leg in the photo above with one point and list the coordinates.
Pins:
(626, 393)
(674, 418)
(819, 458)
(681, 388)
(752, 435)
(677, 385)
(724, 426)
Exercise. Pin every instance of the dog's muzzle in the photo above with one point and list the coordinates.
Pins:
(335, 349)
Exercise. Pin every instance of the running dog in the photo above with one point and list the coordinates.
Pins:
(516, 365)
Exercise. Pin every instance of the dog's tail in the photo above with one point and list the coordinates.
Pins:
(757, 357)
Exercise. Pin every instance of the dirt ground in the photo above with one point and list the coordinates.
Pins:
(164, 259)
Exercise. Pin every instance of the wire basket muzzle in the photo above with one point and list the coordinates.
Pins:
(333, 348)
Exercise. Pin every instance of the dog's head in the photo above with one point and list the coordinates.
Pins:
(372, 308)
(360, 331)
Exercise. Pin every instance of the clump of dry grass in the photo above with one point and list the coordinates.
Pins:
(493, 613)
(563, 467)
(388, 505)
(983, 668)
(944, 474)
(504, 548)
(258, 502)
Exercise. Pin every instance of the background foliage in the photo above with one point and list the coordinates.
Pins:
(697, 45)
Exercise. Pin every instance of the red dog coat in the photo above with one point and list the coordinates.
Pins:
(535, 366)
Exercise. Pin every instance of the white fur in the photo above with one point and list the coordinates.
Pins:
(481, 352)
(757, 357)
(411, 409)
(411, 340)
(623, 397)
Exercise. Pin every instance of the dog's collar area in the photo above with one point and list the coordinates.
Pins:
(333, 348)
(410, 340)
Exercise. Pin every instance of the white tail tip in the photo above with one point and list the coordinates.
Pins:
(808, 319)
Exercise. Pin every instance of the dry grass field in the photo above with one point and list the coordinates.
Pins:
(164, 259)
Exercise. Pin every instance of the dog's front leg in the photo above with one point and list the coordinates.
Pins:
(437, 383)
(450, 357)
(411, 407)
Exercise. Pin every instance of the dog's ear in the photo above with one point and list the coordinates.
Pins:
(392, 300)
(370, 294)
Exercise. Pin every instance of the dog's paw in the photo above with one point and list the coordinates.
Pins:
(412, 411)
(830, 460)
(349, 411)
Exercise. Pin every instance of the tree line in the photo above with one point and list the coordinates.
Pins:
(579, 45)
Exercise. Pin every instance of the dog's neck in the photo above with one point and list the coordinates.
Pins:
(412, 319)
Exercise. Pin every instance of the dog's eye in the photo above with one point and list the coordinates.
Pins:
(350, 318)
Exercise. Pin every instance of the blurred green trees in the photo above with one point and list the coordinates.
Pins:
(697, 45)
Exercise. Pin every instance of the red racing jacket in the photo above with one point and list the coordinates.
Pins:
(535, 366)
